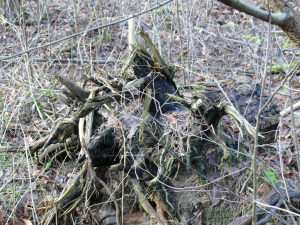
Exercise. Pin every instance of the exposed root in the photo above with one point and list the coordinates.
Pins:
(140, 144)
(144, 202)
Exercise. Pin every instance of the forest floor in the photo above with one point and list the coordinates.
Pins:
(205, 40)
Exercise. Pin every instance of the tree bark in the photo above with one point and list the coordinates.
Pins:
(281, 14)
(291, 25)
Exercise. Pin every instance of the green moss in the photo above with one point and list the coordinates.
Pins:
(53, 80)
(224, 215)
(200, 88)
(200, 25)
(246, 37)
(3, 158)
(230, 24)
(49, 164)
(283, 90)
(87, 70)
(41, 107)
(275, 69)
(285, 43)
(47, 94)
(253, 39)
(271, 175)
(278, 69)
(8, 191)
(163, 10)
(217, 217)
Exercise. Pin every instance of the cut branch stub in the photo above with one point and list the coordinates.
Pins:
(161, 77)
(76, 90)
(158, 59)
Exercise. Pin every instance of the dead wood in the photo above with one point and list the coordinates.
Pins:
(76, 90)
(143, 144)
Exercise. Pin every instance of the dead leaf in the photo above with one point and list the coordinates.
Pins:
(136, 218)
(211, 89)
(235, 128)
(25, 212)
(27, 222)
(263, 189)
(213, 156)
(230, 82)
(216, 196)
(157, 67)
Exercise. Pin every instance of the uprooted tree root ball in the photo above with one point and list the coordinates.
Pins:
(138, 134)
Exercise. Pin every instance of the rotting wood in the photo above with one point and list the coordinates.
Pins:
(150, 148)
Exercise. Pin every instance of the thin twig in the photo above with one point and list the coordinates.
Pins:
(254, 217)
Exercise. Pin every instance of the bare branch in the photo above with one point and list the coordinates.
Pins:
(276, 19)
